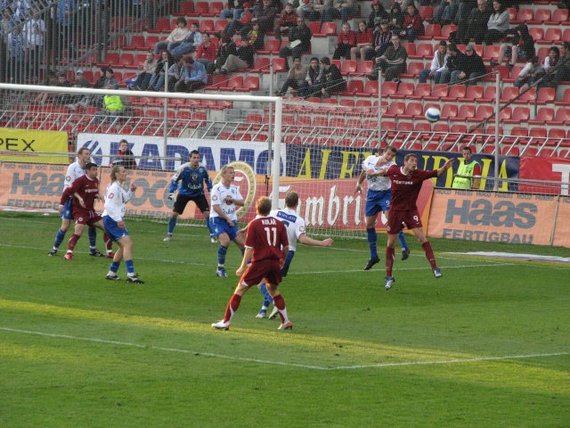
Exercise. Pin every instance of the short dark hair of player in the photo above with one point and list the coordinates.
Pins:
(81, 150)
(90, 165)
(468, 148)
(263, 206)
(291, 199)
(114, 171)
(391, 148)
(194, 152)
(410, 155)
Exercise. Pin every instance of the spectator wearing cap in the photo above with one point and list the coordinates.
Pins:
(498, 23)
(392, 63)
(437, 64)
(286, 21)
(243, 59)
(331, 79)
(469, 67)
(345, 41)
(189, 44)
(193, 76)
(299, 41)
(377, 15)
(176, 35)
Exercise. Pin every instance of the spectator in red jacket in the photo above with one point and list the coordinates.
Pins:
(363, 41)
(287, 19)
(345, 41)
(413, 24)
(206, 53)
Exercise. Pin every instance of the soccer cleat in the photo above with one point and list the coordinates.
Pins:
(167, 238)
(68, 256)
(134, 280)
(112, 277)
(96, 253)
(286, 326)
(221, 272)
(221, 325)
(437, 272)
(274, 313)
(52, 252)
(262, 313)
(405, 253)
(390, 280)
(213, 239)
(371, 263)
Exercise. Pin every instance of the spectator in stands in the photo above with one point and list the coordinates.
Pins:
(177, 35)
(464, 9)
(308, 9)
(66, 23)
(255, 37)
(125, 156)
(364, 40)
(562, 70)
(396, 18)
(100, 82)
(331, 80)
(34, 31)
(16, 53)
(530, 73)
(345, 41)
(206, 54)
(110, 81)
(552, 58)
(382, 39)
(453, 56)
(475, 26)
(147, 70)
(445, 13)
(413, 24)
(299, 41)
(377, 15)
(174, 74)
(392, 63)
(242, 60)
(79, 100)
(193, 76)
(113, 105)
(62, 81)
(264, 14)
(188, 44)
(343, 9)
(157, 80)
(469, 67)
(234, 9)
(295, 77)
(227, 47)
(312, 83)
(520, 45)
(437, 65)
(286, 21)
(80, 80)
(498, 23)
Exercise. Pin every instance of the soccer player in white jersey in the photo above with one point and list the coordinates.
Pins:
(116, 197)
(378, 200)
(225, 200)
(295, 226)
(74, 171)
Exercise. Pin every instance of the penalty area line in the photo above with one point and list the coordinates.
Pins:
(282, 363)
(404, 269)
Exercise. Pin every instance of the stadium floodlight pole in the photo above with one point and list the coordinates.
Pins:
(165, 112)
(497, 117)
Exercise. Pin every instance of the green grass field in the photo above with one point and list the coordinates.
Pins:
(486, 345)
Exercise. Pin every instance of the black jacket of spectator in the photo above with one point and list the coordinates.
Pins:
(302, 33)
(470, 63)
(332, 79)
(246, 53)
(476, 25)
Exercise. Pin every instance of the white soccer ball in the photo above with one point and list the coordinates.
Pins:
(433, 114)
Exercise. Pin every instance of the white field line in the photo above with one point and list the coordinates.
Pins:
(283, 363)
(399, 269)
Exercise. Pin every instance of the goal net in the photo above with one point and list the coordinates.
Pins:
(320, 153)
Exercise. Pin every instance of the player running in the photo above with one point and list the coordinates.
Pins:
(85, 190)
(265, 245)
(295, 226)
(406, 185)
(74, 171)
(226, 199)
(115, 199)
(192, 178)
(378, 200)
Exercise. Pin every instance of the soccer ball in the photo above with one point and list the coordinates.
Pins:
(433, 114)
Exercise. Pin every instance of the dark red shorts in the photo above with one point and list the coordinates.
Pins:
(268, 269)
(411, 219)
(82, 216)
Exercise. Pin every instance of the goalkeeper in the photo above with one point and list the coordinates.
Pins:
(378, 200)
(189, 179)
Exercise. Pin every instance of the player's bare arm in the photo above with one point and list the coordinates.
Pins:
(80, 199)
(221, 213)
(359, 181)
(247, 256)
(304, 239)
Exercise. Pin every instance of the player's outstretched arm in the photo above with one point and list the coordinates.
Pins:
(304, 239)
(359, 182)
(445, 166)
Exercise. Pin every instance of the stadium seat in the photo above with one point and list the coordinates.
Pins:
(251, 83)
(523, 16)
(566, 35)
(561, 117)
(423, 51)
(455, 92)
(552, 35)
(201, 8)
(439, 91)
(327, 29)
(111, 58)
(128, 60)
(395, 109)
(364, 68)
(556, 133)
(413, 70)
(519, 131)
(137, 43)
(414, 110)
(546, 95)
(446, 31)
(348, 67)
(346, 102)
(426, 12)
(484, 112)
(404, 90)
(558, 16)
(459, 128)
(220, 25)
(449, 111)
(536, 33)
(527, 97)
(565, 100)
(490, 52)
(261, 65)
(466, 112)
(270, 46)
(388, 88)
(370, 89)
(422, 91)
(540, 16)
(232, 84)
(474, 93)
(520, 115)
(352, 87)
(186, 9)
(279, 65)
(206, 26)
(215, 8)
(508, 94)
(314, 26)
(537, 132)
(162, 26)
(431, 31)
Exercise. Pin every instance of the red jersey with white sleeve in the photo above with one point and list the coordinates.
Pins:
(87, 188)
(267, 236)
(406, 187)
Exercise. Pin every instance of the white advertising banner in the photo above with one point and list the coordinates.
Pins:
(150, 154)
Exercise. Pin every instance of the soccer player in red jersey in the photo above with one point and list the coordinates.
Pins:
(266, 245)
(85, 190)
(406, 185)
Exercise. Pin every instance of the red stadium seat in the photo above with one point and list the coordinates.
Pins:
(537, 132)
(422, 91)
(201, 8)
(540, 16)
(509, 93)
(414, 69)
(215, 8)
(552, 35)
(484, 112)
(527, 97)
(128, 60)
(556, 133)
(206, 26)
(566, 35)
(466, 112)
(404, 90)
(270, 46)
(251, 83)
(348, 67)
(546, 95)
(431, 31)
(523, 16)
(162, 26)
(456, 92)
(449, 111)
(519, 131)
(186, 9)
(364, 68)
(446, 31)
(137, 43)
(314, 26)
(543, 116)
(559, 16)
(490, 52)
(439, 91)
(473, 93)
(565, 100)
(328, 29)
(423, 51)
(562, 117)
(413, 110)
(279, 65)
(395, 109)
(353, 87)
(426, 12)
(261, 65)
(536, 33)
